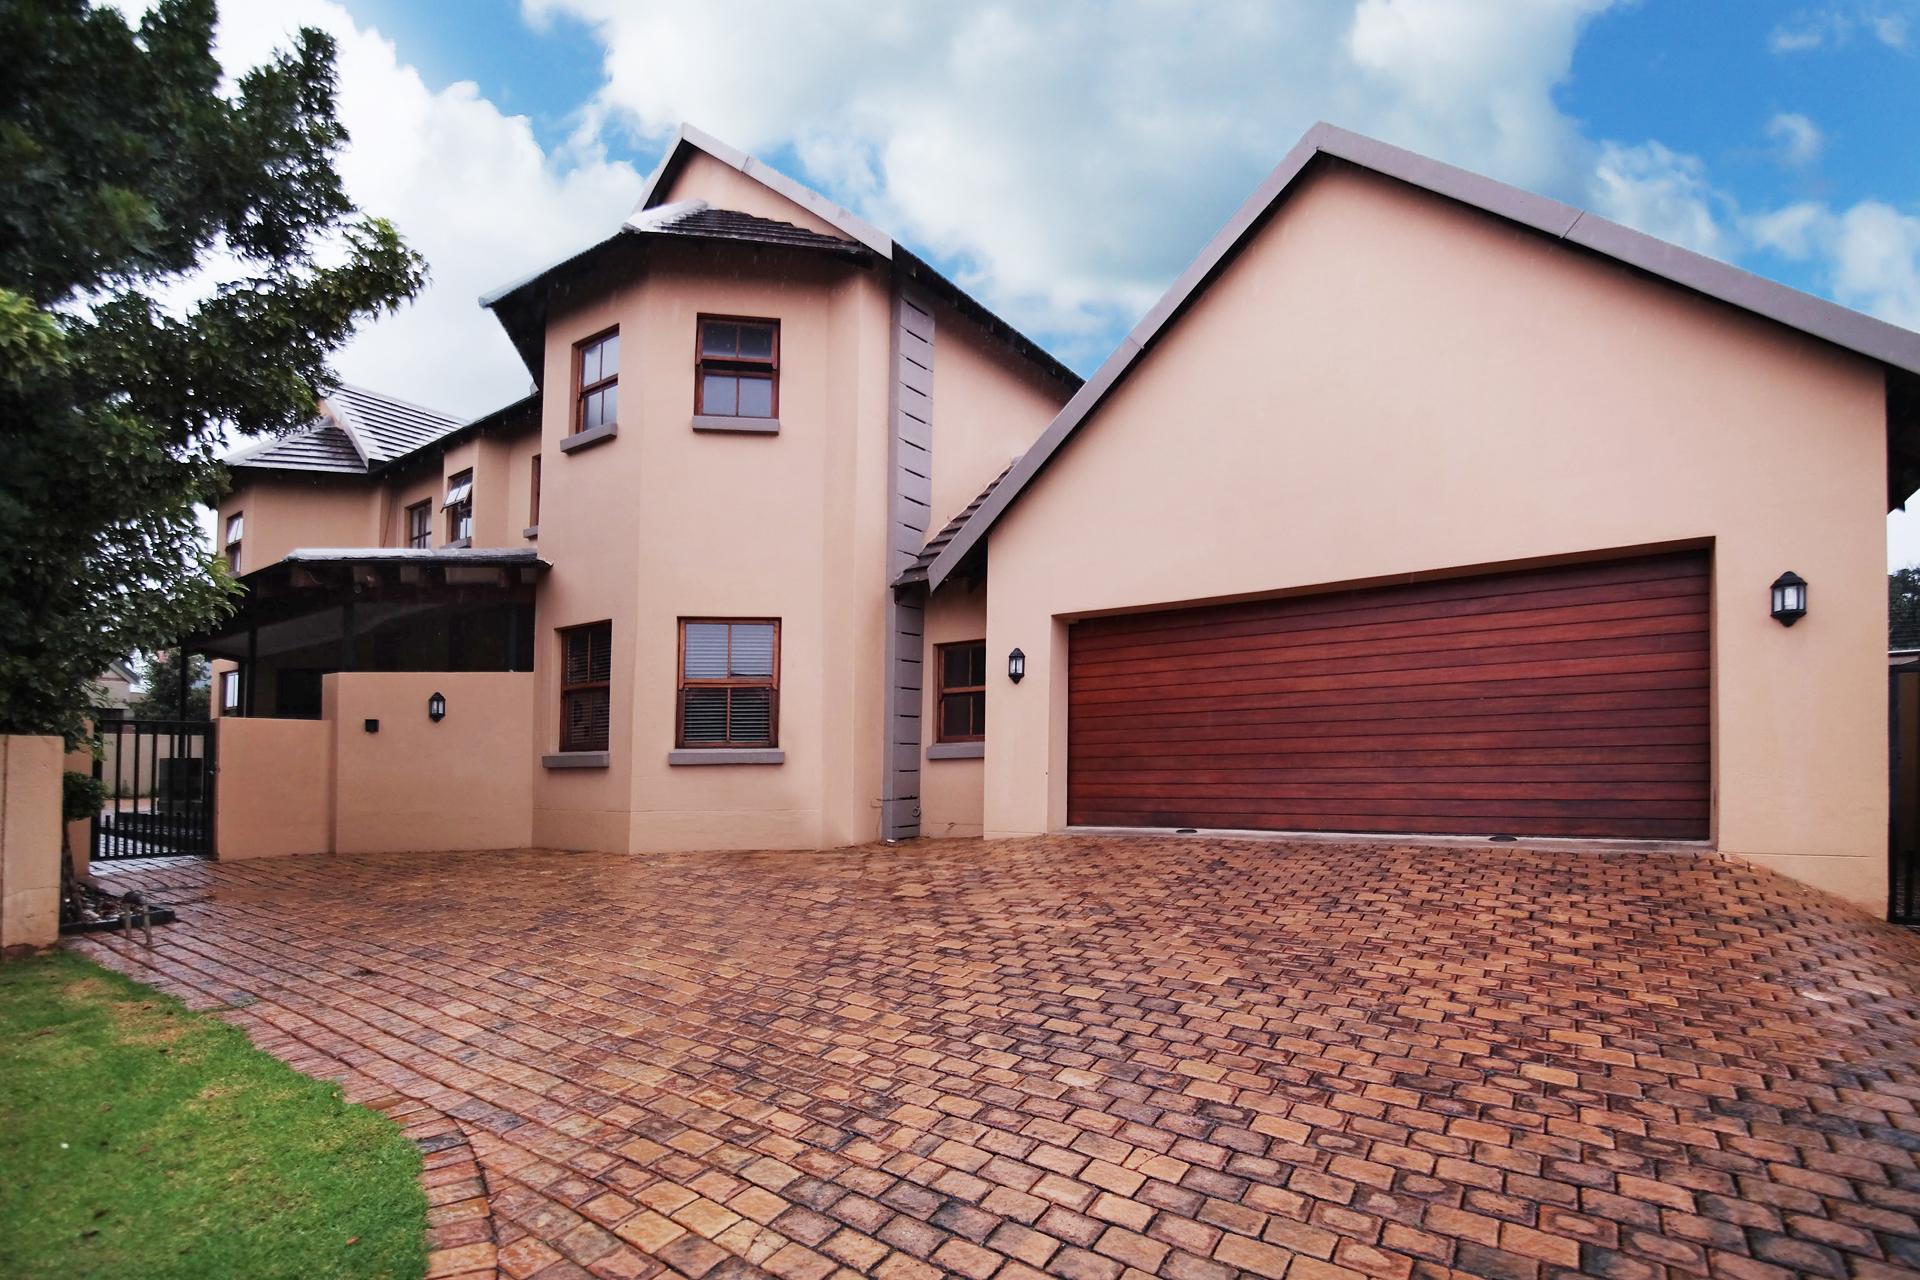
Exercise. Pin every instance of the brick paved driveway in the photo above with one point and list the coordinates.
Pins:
(1096, 1057)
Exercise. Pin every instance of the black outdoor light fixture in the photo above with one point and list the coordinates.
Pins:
(1789, 598)
(1016, 666)
(437, 707)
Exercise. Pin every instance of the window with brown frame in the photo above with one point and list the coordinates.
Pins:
(533, 499)
(729, 683)
(596, 381)
(236, 526)
(229, 693)
(737, 368)
(586, 686)
(962, 691)
(459, 507)
(420, 524)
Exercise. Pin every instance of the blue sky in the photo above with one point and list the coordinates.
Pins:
(1065, 160)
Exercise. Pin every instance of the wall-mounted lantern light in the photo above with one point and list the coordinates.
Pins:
(1016, 666)
(437, 707)
(1789, 598)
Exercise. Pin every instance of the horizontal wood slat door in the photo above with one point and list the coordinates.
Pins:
(1570, 701)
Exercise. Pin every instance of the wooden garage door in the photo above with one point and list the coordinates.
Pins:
(1558, 702)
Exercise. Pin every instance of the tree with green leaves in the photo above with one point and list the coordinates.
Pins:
(1903, 608)
(129, 170)
(160, 688)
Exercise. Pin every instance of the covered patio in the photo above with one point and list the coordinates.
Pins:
(320, 611)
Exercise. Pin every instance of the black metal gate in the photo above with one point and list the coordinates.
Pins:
(1903, 821)
(159, 783)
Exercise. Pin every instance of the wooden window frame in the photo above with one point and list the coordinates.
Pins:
(424, 538)
(230, 693)
(234, 544)
(581, 390)
(942, 690)
(736, 365)
(583, 686)
(533, 497)
(682, 683)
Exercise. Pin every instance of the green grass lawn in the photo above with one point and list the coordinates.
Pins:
(138, 1138)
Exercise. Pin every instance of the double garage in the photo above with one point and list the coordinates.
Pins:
(1568, 701)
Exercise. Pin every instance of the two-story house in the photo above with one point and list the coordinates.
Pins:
(749, 407)
(1419, 506)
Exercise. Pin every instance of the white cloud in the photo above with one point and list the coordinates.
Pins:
(1072, 157)
(1868, 254)
(468, 187)
(1836, 25)
(1797, 139)
(1661, 192)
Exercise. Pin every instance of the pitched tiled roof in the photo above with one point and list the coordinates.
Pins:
(917, 571)
(388, 427)
(358, 430)
(697, 219)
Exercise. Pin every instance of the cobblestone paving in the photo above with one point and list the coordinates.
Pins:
(1095, 1058)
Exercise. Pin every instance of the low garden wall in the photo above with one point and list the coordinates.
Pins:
(30, 805)
(376, 774)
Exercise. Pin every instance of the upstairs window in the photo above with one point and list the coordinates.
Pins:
(533, 497)
(737, 370)
(420, 524)
(962, 691)
(236, 526)
(586, 683)
(729, 683)
(596, 377)
(459, 507)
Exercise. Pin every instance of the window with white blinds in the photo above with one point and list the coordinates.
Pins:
(729, 682)
(586, 686)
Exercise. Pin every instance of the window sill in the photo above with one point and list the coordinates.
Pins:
(746, 426)
(957, 751)
(575, 760)
(531, 531)
(726, 755)
(457, 544)
(590, 437)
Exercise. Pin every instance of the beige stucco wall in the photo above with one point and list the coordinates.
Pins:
(417, 785)
(1385, 384)
(29, 840)
(951, 791)
(282, 514)
(273, 791)
(665, 522)
(988, 406)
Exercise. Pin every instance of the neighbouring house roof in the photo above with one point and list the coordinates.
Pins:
(1896, 348)
(521, 307)
(916, 573)
(361, 432)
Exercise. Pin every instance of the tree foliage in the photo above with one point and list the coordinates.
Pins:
(1903, 608)
(132, 176)
(160, 688)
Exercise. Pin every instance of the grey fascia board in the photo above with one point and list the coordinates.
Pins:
(744, 426)
(806, 197)
(575, 760)
(726, 755)
(1876, 339)
(957, 751)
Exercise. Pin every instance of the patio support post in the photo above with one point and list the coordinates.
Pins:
(246, 679)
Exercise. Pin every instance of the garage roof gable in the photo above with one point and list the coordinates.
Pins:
(1896, 348)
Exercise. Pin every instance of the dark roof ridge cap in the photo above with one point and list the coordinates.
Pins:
(1830, 322)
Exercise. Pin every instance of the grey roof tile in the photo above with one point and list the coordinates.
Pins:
(917, 571)
(365, 430)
